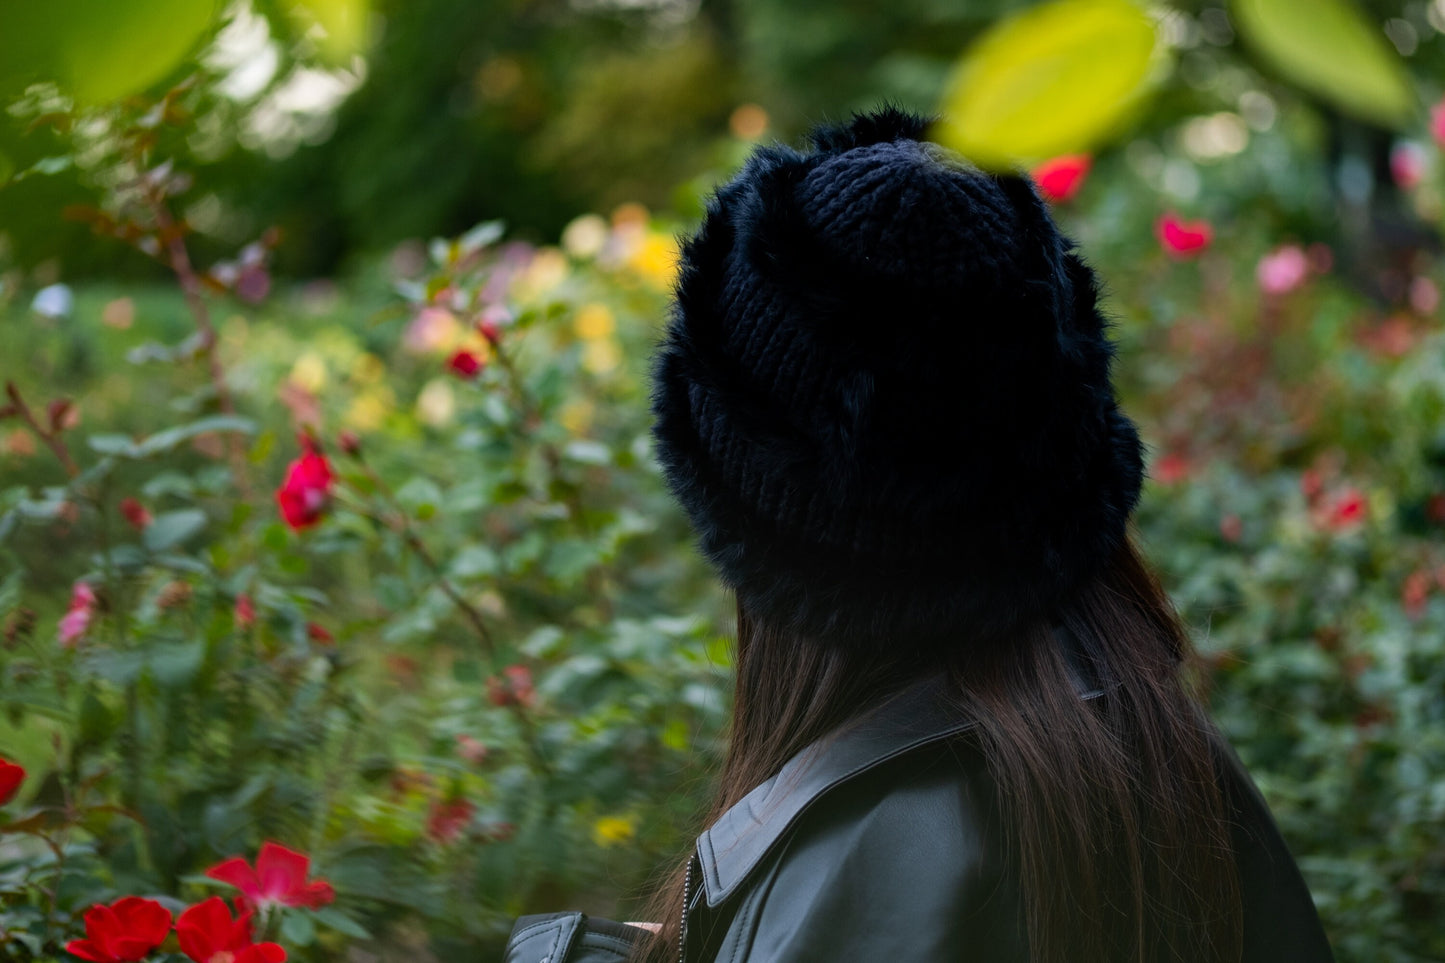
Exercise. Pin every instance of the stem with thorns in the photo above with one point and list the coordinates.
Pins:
(51, 438)
(178, 259)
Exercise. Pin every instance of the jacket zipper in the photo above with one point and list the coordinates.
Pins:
(682, 930)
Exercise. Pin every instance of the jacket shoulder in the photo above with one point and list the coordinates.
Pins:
(903, 864)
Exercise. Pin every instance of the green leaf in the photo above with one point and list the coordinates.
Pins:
(341, 923)
(170, 529)
(485, 233)
(588, 452)
(112, 445)
(1331, 48)
(10, 592)
(475, 561)
(1055, 79)
(99, 52)
(163, 441)
(175, 666)
(344, 26)
(298, 929)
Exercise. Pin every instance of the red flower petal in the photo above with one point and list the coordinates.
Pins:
(1059, 179)
(11, 776)
(261, 953)
(143, 920)
(135, 513)
(87, 950)
(208, 928)
(123, 932)
(465, 364)
(282, 872)
(1182, 238)
(305, 492)
(238, 873)
(318, 894)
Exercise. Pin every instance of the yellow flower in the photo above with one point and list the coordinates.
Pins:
(369, 410)
(546, 270)
(368, 369)
(600, 357)
(576, 416)
(585, 237)
(594, 321)
(655, 259)
(613, 830)
(309, 372)
(437, 403)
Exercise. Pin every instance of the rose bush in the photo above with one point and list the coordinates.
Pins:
(374, 583)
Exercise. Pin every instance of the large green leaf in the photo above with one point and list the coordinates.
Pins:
(344, 26)
(99, 50)
(1330, 48)
(1055, 79)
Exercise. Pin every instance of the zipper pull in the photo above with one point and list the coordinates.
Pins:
(686, 899)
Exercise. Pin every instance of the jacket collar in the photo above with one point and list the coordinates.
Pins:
(920, 715)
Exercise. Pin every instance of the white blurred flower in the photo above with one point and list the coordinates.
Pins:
(55, 301)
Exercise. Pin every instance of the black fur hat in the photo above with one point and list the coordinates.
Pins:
(883, 394)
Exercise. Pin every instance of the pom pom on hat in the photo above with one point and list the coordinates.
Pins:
(883, 394)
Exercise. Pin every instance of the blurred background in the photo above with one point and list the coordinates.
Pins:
(330, 539)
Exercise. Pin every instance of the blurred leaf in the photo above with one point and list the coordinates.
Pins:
(488, 232)
(99, 52)
(298, 929)
(170, 529)
(1052, 80)
(344, 26)
(10, 592)
(339, 921)
(175, 666)
(1331, 48)
(112, 445)
(474, 561)
(166, 440)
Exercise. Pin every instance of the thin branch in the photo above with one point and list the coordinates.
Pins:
(51, 438)
(179, 261)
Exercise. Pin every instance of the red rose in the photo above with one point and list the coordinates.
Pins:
(1182, 239)
(135, 513)
(1171, 469)
(305, 493)
(1060, 179)
(123, 932)
(12, 774)
(279, 879)
(1345, 510)
(448, 820)
(514, 688)
(466, 364)
(209, 934)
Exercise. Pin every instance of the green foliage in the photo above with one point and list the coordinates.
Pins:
(1329, 47)
(1053, 80)
(477, 670)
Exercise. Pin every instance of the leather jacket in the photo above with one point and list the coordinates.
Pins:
(882, 843)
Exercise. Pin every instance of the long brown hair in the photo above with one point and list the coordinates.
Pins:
(1115, 819)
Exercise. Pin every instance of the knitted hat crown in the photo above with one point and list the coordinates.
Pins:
(883, 393)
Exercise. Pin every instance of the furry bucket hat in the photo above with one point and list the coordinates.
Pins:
(883, 393)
